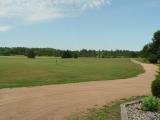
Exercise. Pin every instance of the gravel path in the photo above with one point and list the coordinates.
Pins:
(55, 102)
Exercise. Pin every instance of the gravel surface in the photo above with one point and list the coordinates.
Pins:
(135, 113)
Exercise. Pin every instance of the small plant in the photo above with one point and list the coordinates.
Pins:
(150, 103)
(156, 87)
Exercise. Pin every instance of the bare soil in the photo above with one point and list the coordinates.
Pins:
(56, 102)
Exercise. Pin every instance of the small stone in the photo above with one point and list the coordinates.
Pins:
(135, 112)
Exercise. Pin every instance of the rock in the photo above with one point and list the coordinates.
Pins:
(135, 112)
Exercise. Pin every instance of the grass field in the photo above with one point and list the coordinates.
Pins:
(20, 71)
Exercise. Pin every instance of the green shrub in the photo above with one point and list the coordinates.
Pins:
(156, 87)
(30, 53)
(152, 58)
(150, 103)
(67, 54)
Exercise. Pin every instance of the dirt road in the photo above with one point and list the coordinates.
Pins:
(55, 102)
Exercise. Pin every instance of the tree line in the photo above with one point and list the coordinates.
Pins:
(7, 51)
(151, 51)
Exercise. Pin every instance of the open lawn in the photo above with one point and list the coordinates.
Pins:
(20, 71)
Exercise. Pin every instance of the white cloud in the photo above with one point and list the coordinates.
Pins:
(44, 9)
(4, 28)
(31, 11)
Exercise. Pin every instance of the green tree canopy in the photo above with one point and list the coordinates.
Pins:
(151, 51)
(30, 53)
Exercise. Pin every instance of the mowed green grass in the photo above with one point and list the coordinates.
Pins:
(20, 71)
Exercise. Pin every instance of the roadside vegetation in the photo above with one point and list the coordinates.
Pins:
(152, 103)
(143, 60)
(151, 51)
(19, 71)
(149, 54)
(107, 112)
(112, 111)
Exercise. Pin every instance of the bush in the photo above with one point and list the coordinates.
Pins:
(31, 54)
(152, 58)
(156, 87)
(67, 54)
(150, 103)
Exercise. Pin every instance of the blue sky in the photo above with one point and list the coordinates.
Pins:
(78, 24)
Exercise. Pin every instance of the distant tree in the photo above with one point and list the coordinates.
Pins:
(30, 53)
(75, 55)
(156, 39)
(84, 53)
(151, 51)
(67, 54)
(156, 44)
(59, 53)
(6, 52)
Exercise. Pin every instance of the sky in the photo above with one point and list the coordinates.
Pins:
(78, 24)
